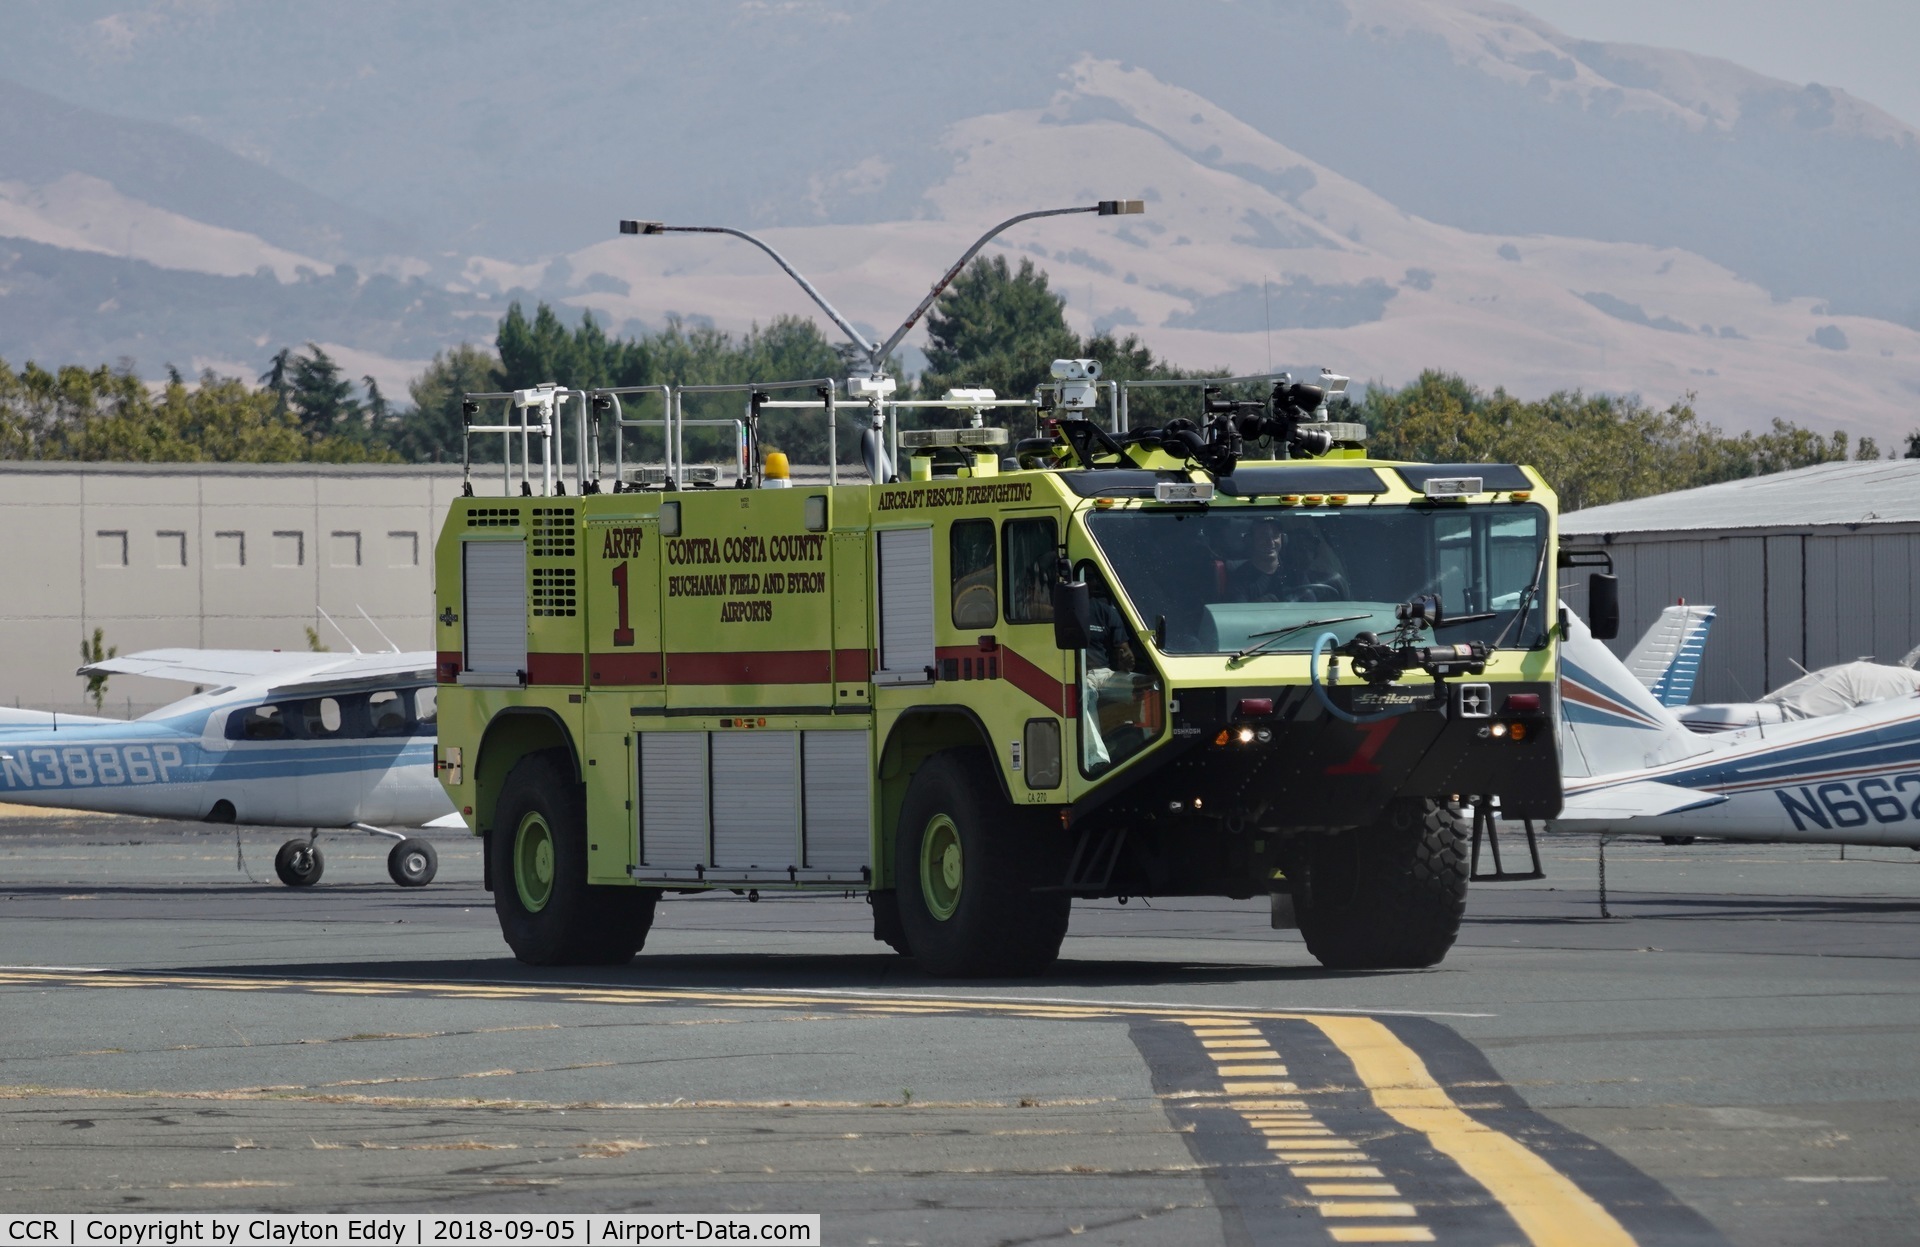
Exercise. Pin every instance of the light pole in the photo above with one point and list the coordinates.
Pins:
(875, 386)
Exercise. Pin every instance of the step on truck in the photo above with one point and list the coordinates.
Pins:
(1051, 655)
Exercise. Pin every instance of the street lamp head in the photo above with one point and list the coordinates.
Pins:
(1122, 207)
(643, 227)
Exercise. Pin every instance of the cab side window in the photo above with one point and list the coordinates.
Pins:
(426, 709)
(970, 561)
(1031, 548)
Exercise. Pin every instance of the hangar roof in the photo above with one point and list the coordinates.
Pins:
(1872, 491)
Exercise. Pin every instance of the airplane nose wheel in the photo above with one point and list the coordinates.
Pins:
(298, 863)
(412, 863)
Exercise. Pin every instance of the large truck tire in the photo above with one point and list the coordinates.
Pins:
(1389, 896)
(549, 913)
(966, 863)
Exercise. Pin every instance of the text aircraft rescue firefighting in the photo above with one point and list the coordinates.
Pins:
(1231, 656)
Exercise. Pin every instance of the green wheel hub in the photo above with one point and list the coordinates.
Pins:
(942, 871)
(533, 862)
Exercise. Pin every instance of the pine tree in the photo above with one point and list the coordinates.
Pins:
(321, 396)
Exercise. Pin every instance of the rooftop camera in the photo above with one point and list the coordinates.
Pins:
(1076, 378)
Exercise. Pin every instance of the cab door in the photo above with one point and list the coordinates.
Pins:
(1040, 672)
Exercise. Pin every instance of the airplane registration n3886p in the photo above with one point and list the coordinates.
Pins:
(321, 741)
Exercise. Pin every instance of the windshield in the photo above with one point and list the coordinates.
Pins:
(1227, 579)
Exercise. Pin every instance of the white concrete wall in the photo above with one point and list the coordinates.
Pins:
(148, 553)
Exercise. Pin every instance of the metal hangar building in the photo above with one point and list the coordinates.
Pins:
(1807, 568)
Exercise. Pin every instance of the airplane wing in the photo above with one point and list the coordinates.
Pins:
(363, 674)
(206, 666)
(13, 717)
(1644, 798)
(288, 673)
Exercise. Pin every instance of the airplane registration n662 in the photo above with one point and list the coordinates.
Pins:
(321, 741)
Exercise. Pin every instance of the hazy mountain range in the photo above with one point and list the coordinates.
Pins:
(1376, 185)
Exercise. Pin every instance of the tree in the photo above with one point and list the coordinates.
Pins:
(321, 395)
(1592, 448)
(275, 377)
(93, 653)
(110, 414)
(996, 326)
(431, 432)
(377, 407)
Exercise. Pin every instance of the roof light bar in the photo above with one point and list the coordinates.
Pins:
(1452, 486)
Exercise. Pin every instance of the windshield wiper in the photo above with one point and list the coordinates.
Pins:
(1274, 634)
(1447, 621)
(1526, 599)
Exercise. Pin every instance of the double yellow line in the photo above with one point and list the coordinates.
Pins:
(1547, 1205)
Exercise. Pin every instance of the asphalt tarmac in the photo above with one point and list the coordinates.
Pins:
(1726, 1059)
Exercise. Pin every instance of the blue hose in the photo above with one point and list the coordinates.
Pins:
(1319, 690)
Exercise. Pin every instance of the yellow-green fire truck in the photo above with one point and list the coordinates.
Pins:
(1230, 656)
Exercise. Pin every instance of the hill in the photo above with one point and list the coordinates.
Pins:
(1392, 183)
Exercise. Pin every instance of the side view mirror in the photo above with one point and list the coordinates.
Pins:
(1603, 606)
(1072, 615)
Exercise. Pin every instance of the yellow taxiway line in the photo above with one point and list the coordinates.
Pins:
(1548, 1206)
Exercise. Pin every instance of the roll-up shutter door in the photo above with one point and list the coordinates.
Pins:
(756, 800)
(673, 800)
(906, 606)
(496, 607)
(839, 803)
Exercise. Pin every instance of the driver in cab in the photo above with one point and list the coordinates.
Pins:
(1280, 567)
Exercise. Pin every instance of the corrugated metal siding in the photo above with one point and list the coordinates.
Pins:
(1812, 599)
(673, 799)
(1826, 629)
(838, 801)
(756, 803)
(1896, 595)
(1785, 610)
(495, 581)
(1840, 591)
(906, 605)
(1739, 669)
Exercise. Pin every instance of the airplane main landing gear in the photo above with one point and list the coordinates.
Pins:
(298, 863)
(412, 863)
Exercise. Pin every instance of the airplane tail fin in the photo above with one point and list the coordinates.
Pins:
(1667, 659)
(1610, 721)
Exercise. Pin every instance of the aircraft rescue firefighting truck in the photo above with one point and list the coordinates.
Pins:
(1227, 656)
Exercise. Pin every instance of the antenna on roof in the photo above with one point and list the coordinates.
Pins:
(340, 630)
(391, 647)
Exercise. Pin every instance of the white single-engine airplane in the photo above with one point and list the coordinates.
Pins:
(321, 741)
(1630, 766)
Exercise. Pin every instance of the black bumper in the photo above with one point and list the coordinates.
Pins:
(1301, 768)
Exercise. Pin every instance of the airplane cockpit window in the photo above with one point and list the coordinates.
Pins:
(258, 723)
(354, 716)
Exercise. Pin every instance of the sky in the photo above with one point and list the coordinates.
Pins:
(1866, 47)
